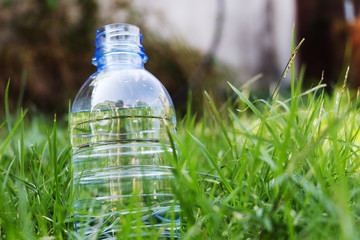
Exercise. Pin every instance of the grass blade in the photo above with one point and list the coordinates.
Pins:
(213, 163)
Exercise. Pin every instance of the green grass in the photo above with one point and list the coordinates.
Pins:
(264, 169)
(279, 169)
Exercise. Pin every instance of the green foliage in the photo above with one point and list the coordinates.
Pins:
(277, 169)
(285, 170)
(35, 179)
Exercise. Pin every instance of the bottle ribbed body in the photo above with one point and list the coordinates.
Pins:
(121, 151)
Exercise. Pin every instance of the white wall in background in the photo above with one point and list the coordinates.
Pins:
(244, 35)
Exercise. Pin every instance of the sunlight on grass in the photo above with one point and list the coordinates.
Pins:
(265, 169)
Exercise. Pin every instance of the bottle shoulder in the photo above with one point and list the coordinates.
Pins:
(121, 88)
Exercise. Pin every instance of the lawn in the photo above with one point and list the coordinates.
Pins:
(277, 168)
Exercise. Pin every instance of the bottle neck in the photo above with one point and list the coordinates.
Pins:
(119, 46)
(119, 60)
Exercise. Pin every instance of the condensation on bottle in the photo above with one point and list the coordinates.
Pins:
(121, 152)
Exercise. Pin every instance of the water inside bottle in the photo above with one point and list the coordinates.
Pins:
(122, 172)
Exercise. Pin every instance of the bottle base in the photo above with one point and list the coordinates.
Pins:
(130, 225)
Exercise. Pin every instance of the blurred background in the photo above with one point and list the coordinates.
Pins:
(46, 46)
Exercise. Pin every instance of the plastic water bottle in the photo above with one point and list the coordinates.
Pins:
(119, 121)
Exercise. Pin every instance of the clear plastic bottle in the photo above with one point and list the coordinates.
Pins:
(121, 148)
